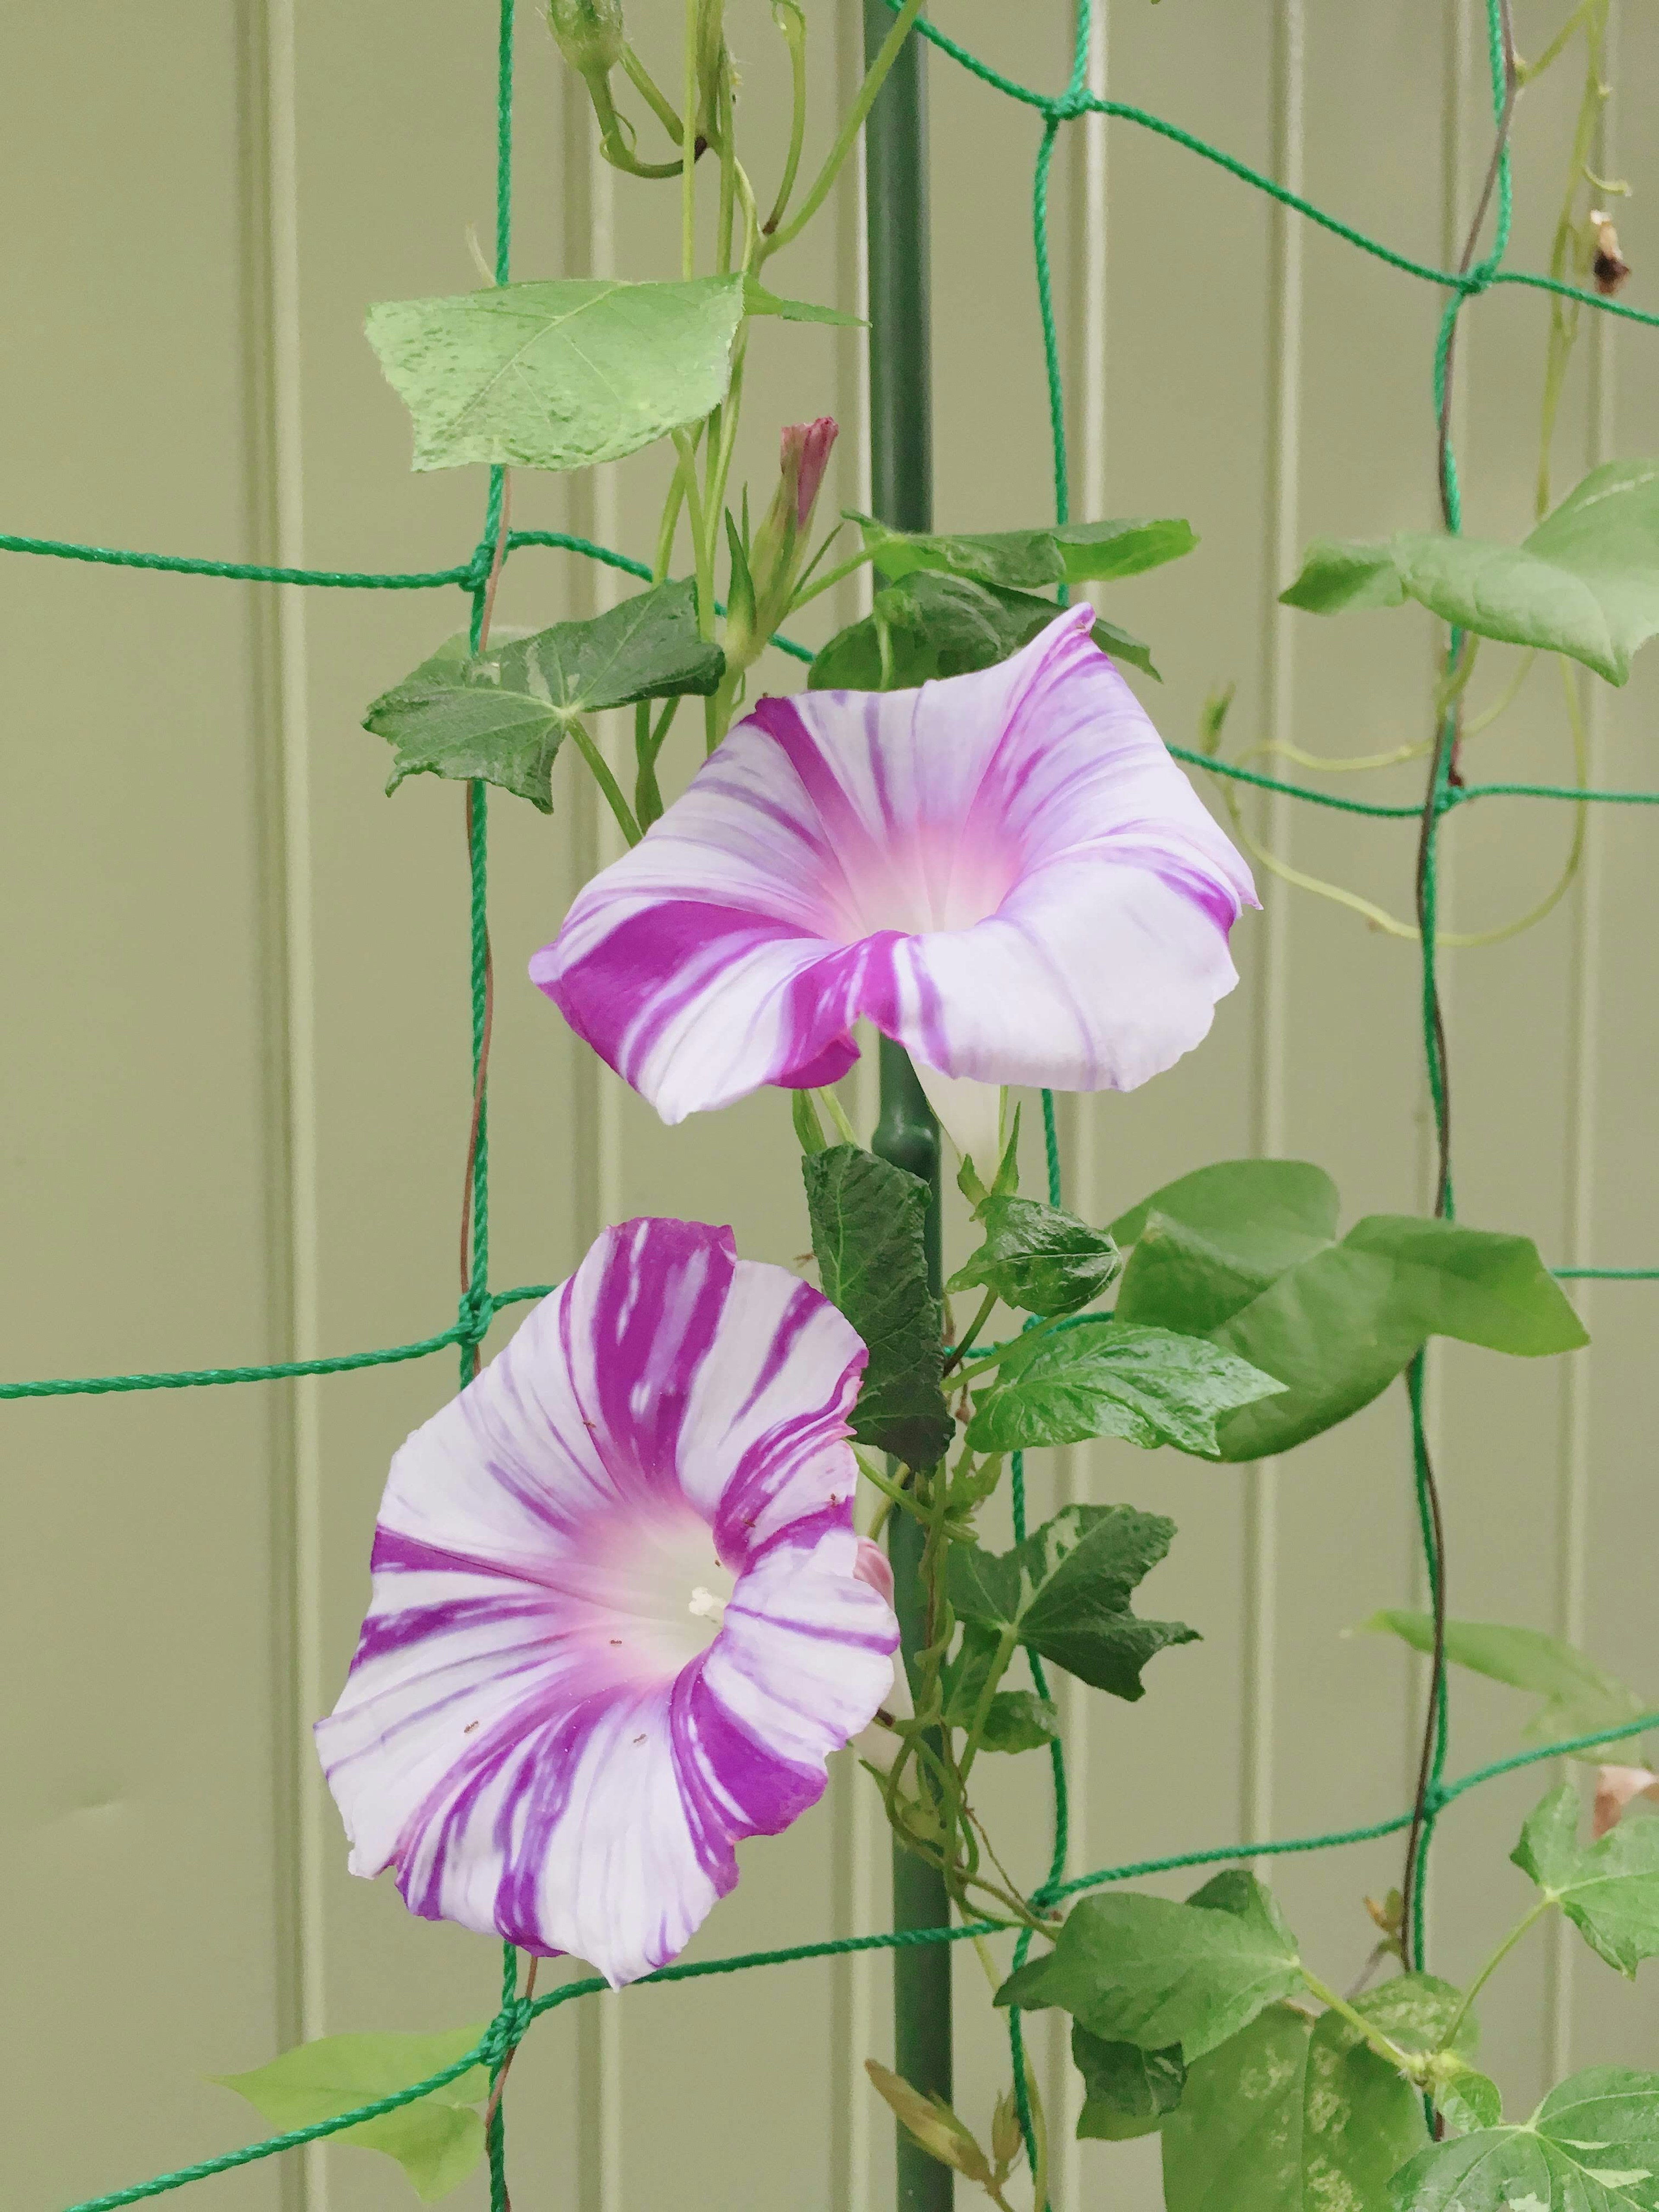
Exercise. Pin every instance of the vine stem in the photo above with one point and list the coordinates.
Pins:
(1530, 1920)
(481, 1072)
(1378, 2042)
(1443, 770)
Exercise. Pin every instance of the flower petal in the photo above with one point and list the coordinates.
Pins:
(532, 1733)
(1005, 871)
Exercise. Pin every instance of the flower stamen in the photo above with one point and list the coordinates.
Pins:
(707, 1607)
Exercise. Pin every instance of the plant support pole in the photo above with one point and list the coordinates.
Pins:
(902, 495)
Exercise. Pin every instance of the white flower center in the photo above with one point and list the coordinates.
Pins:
(659, 1592)
(707, 1606)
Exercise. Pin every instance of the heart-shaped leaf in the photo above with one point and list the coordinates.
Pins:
(437, 2139)
(1244, 1252)
(1291, 2116)
(1585, 582)
(562, 373)
(1579, 1698)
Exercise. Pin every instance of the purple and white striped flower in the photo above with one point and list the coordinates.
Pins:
(617, 1620)
(1005, 871)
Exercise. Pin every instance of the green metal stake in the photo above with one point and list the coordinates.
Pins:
(902, 495)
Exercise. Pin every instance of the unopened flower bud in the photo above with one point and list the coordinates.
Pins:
(590, 32)
(804, 457)
(932, 2122)
(1006, 2138)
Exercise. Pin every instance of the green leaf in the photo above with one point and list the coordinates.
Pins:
(559, 374)
(945, 625)
(1039, 1258)
(1027, 560)
(867, 1233)
(1128, 2092)
(1291, 2116)
(1609, 1890)
(1019, 1720)
(1471, 2100)
(758, 301)
(1416, 2012)
(1065, 1593)
(503, 717)
(1235, 2144)
(1244, 1254)
(1592, 2146)
(1585, 582)
(437, 2139)
(1579, 1698)
(1101, 552)
(1340, 573)
(808, 1130)
(1108, 1378)
(1145, 1970)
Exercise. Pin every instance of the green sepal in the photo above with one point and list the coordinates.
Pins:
(740, 599)
(808, 1130)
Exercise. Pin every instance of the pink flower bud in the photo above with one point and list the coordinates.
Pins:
(872, 1565)
(804, 459)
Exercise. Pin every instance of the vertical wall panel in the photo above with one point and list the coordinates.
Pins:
(236, 1100)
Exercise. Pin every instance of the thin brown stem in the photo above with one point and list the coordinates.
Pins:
(497, 562)
(1412, 1876)
(511, 2053)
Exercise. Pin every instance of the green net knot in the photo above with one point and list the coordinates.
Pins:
(506, 2032)
(475, 1312)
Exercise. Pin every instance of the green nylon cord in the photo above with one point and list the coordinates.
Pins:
(479, 1306)
(513, 2020)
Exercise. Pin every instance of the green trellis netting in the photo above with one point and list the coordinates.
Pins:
(479, 1305)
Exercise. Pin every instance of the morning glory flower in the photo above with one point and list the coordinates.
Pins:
(1005, 871)
(617, 1620)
